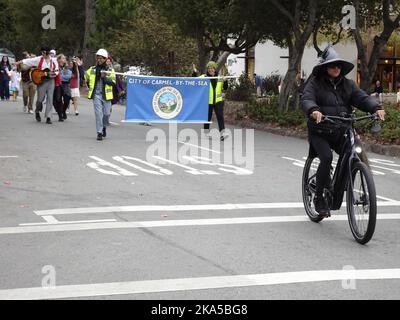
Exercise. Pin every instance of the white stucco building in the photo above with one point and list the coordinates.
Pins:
(269, 58)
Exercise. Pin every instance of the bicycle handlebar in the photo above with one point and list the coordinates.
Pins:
(352, 118)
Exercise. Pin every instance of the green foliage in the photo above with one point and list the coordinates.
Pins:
(147, 40)
(7, 26)
(30, 35)
(390, 132)
(241, 90)
(213, 22)
(268, 111)
(110, 16)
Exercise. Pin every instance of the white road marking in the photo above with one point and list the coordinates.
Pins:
(114, 123)
(173, 223)
(207, 207)
(384, 162)
(100, 162)
(66, 222)
(161, 171)
(188, 169)
(6, 157)
(384, 168)
(301, 164)
(199, 283)
(385, 199)
(202, 148)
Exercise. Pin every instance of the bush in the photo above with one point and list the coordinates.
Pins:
(241, 90)
(268, 111)
(390, 132)
(271, 84)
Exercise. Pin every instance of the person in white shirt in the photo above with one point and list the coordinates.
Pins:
(46, 89)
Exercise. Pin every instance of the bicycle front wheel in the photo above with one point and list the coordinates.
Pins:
(361, 203)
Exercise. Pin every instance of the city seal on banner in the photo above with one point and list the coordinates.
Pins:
(167, 103)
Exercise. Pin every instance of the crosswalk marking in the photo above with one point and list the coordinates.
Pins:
(59, 227)
(199, 283)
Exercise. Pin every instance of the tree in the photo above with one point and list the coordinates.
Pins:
(386, 15)
(152, 43)
(297, 20)
(30, 34)
(90, 29)
(102, 18)
(217, 26)
(7, 27)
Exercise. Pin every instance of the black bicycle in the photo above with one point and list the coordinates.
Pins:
(352, 174)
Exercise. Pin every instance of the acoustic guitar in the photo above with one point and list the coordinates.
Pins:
(39, 76)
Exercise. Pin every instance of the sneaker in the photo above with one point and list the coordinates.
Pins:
(48, 121)
(99, 136)
(76, 113)
(30, 111)
(37, 115)
(104, 132)
(24, 109)
(224, 135)
(321, 206)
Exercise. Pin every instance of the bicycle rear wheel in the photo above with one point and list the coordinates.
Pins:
(361, 203)
(309, 184)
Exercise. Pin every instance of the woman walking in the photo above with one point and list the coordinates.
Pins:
(74, 84)
(5, 69)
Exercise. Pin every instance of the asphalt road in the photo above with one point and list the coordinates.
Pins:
(96, 220)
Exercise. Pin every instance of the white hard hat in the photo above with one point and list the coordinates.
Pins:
(102, 52)
(53, 51)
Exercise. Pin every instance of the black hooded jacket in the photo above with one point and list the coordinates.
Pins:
(335, 97)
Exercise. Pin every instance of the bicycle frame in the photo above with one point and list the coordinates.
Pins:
(347, 157)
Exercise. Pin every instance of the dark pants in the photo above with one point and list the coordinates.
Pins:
(219, 111)
(323, 145)
(5, 89)
(61, 101)
(57, 100)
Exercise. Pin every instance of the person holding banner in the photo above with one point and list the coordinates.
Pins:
(100, 79)
(215, 101)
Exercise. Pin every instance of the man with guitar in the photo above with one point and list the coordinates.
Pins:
(46, 69)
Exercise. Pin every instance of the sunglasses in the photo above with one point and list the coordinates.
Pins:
(334, 65)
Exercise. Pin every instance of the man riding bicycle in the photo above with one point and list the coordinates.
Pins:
(329, 92)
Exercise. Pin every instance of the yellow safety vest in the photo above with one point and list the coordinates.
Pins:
(218, 91)
(108, 90)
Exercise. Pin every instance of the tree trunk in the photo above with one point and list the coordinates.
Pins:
(289, 95)
(90, 28)
(222, 59)
(203, 54)
(297, 41)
